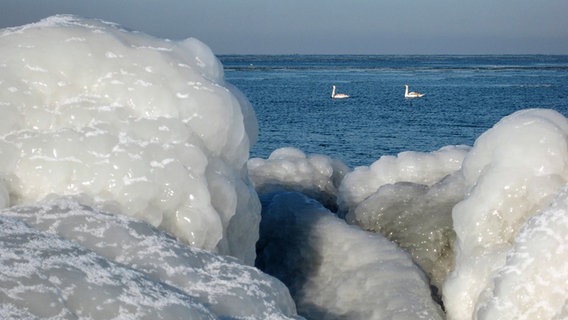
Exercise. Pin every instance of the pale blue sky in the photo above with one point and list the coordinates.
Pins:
(329, 26)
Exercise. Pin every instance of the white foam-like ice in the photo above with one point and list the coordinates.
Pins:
(512, 173)
(338, 271)
(317, 176)
(88, 264)
(130, 123)
(424, 168)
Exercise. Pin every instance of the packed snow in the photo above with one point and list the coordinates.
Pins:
(127, 191)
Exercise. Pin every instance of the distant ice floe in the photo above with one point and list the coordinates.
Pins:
(131, 124)
(61, 259)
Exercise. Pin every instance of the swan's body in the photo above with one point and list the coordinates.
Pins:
(337, 95)
(412, 94)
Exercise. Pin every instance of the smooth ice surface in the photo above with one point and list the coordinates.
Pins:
(511, 174)
(338, 271)
(130, 123)
(69, 260)
(315, 175)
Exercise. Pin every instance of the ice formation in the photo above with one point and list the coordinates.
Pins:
(338, 271)
(509, 245)
(409, 166)
(68, 260)
(317, 176)
(131, 124)
(409, 199)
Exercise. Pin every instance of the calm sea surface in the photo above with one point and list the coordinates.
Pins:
(465, 96)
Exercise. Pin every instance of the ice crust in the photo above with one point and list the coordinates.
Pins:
(131, 124)
(424, 168)
(61, 258)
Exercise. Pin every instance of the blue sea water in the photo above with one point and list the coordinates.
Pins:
(465, 96)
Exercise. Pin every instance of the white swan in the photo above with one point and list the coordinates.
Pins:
(412, 94)
(337, 95)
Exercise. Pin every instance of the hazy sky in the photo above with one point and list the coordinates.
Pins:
(329, 26)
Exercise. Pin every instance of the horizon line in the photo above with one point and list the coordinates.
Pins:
(391, 54)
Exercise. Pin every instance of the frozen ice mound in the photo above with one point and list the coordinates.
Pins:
(509, 240)
(131, 124)
(63, 259)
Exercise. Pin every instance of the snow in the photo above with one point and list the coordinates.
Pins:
(86, 263)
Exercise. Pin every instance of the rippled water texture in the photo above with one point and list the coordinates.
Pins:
(465, 95)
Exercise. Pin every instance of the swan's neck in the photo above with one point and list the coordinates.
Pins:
(333, 91)
(406, 90)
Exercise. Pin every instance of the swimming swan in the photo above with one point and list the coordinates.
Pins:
(337, 95)
(412, 94)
